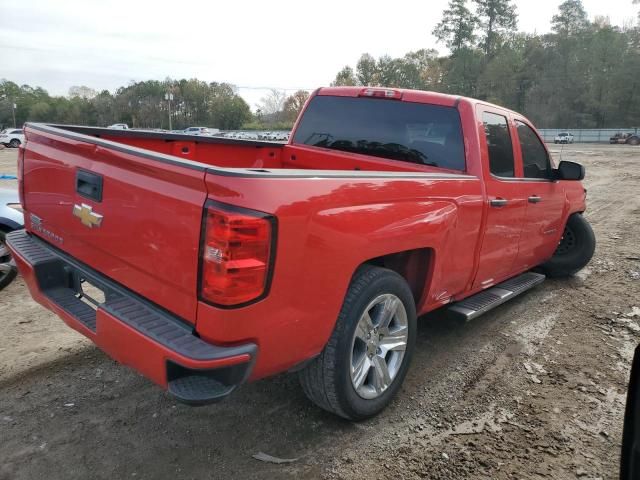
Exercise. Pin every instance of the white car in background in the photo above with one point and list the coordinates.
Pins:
(119, 126)
(12, 137)
(197, 131)
(281, 136)
(563, 137)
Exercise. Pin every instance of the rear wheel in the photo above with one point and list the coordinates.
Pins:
(634, 141)
(366, 359)
(575, 249)
(14, 143)
(8, 270)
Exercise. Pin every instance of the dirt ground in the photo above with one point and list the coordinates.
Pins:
(534, 389)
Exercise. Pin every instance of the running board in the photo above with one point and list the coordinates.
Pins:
(482, 302)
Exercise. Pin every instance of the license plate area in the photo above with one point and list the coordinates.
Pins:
(91, 294)
(87, 290)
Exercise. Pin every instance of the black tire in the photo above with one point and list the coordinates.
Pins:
(6, 277)
(634, 141)
(327, 379)
(575, 249)
(14, 143)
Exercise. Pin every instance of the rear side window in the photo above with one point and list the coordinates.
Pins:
(412, 132)
(496, 129)
(535, 160)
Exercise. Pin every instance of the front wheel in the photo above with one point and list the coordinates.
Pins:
(366, 359)
(14, 143)
(575, 249)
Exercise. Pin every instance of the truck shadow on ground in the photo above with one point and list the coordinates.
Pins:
(124, 425)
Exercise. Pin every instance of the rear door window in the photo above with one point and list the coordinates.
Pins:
(412, 132)
(496, 128)
(535, 160)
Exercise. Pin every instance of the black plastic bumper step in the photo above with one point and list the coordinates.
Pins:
(198, 389)
(482, 302)
(60, 278)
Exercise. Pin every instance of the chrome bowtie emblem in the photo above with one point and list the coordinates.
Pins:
(87, 216)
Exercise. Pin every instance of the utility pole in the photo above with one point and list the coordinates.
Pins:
(13, 112)
(168, 97)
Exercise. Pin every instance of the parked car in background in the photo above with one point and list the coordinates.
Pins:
(197, 131)
(625, 138)
(281, 136)
(12, 137)
(11, 218)
(563, 137)
(119, 126)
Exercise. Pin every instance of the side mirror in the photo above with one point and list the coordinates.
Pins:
(569, 171)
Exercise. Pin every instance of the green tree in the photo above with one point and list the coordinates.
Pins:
(367, 71)
(294, 103)
(345, 78)
(497, 19)
(570, 19)
(457, 26)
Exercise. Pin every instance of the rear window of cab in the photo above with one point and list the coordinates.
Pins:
(418, 133)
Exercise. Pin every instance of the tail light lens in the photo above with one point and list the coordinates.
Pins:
(20, 169)
(236, 255)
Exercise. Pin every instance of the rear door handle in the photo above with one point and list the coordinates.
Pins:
(498, 202)
(535, 199)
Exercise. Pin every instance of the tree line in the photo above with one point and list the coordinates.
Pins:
(147, 105)
(583, 74)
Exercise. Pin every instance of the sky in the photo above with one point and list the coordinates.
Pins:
(287, 45)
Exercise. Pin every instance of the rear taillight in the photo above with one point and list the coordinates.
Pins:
(236, 255)
(20, 169)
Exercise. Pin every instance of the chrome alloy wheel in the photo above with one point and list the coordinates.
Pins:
(378, 346)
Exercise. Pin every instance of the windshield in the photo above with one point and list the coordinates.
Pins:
(411, 132)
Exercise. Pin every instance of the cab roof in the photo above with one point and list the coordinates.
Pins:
(408, 95)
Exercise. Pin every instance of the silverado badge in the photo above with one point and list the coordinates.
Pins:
(87, 216)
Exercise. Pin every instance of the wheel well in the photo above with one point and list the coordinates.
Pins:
(415, 266)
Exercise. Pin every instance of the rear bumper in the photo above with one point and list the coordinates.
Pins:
(130, 329)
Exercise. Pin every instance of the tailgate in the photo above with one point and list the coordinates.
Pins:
(133, 215)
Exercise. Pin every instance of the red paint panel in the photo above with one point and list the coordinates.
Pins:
(149, 236)
(326, 229)
(230, 155)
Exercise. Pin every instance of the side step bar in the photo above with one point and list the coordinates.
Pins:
(482, 302)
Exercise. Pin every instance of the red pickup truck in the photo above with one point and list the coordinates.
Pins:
(205, 262)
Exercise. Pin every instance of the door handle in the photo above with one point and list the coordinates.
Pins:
(535, 199)
(498, 202)
(89, 185)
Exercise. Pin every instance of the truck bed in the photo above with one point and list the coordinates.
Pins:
(227, 153)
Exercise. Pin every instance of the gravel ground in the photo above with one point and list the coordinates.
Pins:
(534, 389)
